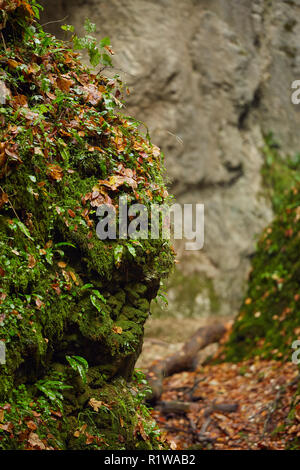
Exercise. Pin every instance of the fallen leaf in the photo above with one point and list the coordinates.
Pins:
(35, 441)
(96, 404)
(118, 330)
(55, 172)
(31, 425)
(31, 261)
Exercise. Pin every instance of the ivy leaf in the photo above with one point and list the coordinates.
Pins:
(97, 294)
(79, 364)
(131, 250)
(86, 286)
(94, 56)
(23, 228)
(106, 60)
(68, 27)
(94, 301)
(105, 42)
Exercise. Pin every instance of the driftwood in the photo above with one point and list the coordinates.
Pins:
(182, 360)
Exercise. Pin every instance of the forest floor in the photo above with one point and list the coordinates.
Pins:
(261, 390)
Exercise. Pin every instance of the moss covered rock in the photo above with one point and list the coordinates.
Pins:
(65, 149)
(269, 319)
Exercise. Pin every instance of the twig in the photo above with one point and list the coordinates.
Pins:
(56, 21)
(3, 42)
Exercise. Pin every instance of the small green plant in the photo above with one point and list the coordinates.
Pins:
(52, 389)
(95, 297)
(142, 387)
(99, 52)
(79, 364)
(162, 295)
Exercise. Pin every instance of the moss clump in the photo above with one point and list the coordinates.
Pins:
(65, 149)
(280, 173)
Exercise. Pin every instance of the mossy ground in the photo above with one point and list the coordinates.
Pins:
(269, 319)
(65, 148)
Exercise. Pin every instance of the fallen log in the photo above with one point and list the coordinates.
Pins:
(178, 407)
(184, 407)
(182, 360)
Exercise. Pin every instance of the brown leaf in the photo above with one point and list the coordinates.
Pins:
(35, 441)
(96, 404)
(71, 213)
(89, 438)
(56, 287)
(39, 303)
(64, 84)
(118, 330)
(141, 430)
(20, 101)
(99, 197)
(115, 181)
(62, 264)
(93, 95)
(55, 172)
(8, 427)
(3, 199)
(13, 64)
(31, 261)
(74, 277)
(31, 425)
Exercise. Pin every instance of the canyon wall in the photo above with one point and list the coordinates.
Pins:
(210, 78)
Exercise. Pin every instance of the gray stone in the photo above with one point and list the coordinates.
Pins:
(210, 78)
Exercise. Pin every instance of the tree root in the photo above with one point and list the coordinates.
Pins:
(182, 360)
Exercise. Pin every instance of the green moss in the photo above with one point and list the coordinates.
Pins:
(269, 319)
(280, 173)
(62, 292)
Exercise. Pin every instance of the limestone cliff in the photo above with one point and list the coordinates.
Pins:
(210, 77)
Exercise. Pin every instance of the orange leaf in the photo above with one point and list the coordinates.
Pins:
(31, 261)
(64, 84)
(55, 172)
(118, 330)
(31, 425)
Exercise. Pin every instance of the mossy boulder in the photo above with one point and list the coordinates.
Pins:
(269, 319)
(65, 149)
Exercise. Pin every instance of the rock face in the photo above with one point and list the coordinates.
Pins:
(209, 77)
